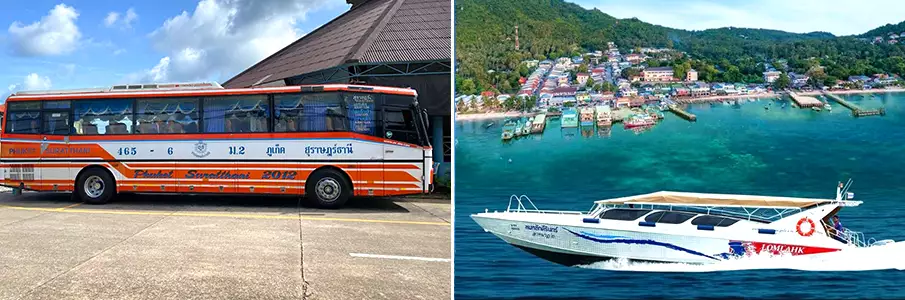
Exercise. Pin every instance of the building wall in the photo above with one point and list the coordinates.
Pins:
(658, 75)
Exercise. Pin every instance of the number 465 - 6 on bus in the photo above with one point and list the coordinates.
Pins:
(326, 142)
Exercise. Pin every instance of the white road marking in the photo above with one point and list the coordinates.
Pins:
(400, 257)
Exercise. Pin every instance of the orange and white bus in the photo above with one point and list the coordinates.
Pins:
(326, 142)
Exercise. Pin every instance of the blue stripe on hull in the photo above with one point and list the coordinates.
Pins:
(639, 242)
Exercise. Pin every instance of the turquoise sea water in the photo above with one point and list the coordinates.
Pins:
(740, 149)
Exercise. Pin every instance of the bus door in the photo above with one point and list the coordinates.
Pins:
(403, 159)
(55, 175)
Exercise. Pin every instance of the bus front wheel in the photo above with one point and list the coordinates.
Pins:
(95, 186)
(327, 188)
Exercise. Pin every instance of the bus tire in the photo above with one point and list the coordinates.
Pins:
(95, 186)
(327, 188)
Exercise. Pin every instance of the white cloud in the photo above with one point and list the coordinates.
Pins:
(226, 37)
(36, 82)
(837, 17)
(55, 34)
(130, 17)
(111, 18)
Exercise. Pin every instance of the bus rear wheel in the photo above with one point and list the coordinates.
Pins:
(95, 186)
(327, 188)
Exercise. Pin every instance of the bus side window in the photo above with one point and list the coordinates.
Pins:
(363, 116)
(102, 116)
(400, 125)
(323, 112)
(235, 114)
(56, 123)
(287, 112)
(26, 122)
(23, 117)
(167, 116)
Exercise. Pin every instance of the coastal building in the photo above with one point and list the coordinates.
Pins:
(623, 102)
(565, 92)
(607, 96)
(531, 63)
(503, 97)
(700, 90)
(859, 78)
(884, 79)
(622, 83)
(798, 80)
(629, 92)
(582, 78)
(658, 74)
(470, 102)
(691, 75)
(583, 96)
(487, 94)
(633, 58)
(636, 101)
(681, 92)
(771, 76)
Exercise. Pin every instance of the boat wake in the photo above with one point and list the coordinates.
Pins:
(885, 257)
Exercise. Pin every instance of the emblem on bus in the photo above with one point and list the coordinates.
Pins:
(201, 150)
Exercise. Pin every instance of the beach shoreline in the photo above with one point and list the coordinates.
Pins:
(706, 99)
(850, 92)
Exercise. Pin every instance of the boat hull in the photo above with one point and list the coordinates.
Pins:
(576, 243)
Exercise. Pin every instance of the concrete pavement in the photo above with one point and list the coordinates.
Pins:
(215, 247)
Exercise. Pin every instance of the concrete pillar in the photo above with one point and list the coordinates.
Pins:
(437, 140)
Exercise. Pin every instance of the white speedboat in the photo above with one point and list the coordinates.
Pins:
(677, 227)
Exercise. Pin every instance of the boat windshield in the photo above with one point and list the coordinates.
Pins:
(758, 214)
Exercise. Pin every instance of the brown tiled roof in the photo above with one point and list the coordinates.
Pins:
(371, 32)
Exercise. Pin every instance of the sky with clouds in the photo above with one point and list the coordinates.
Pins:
(81, 44)
(834, 16)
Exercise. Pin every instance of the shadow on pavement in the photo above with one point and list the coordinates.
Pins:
(212, 203)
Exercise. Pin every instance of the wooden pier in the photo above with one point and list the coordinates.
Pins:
(682, 113)
(805, 101)
(856, 111)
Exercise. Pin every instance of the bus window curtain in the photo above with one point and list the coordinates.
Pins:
(315, 117)
(214, 117)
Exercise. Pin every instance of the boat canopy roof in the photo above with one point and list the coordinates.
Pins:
(723, 200)
(539, 119)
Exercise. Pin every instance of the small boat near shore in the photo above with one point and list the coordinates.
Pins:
(508, 130)
(679, 227)
(640, 120)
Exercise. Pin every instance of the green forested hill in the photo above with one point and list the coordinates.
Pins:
(554, 28)
(885, 30)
